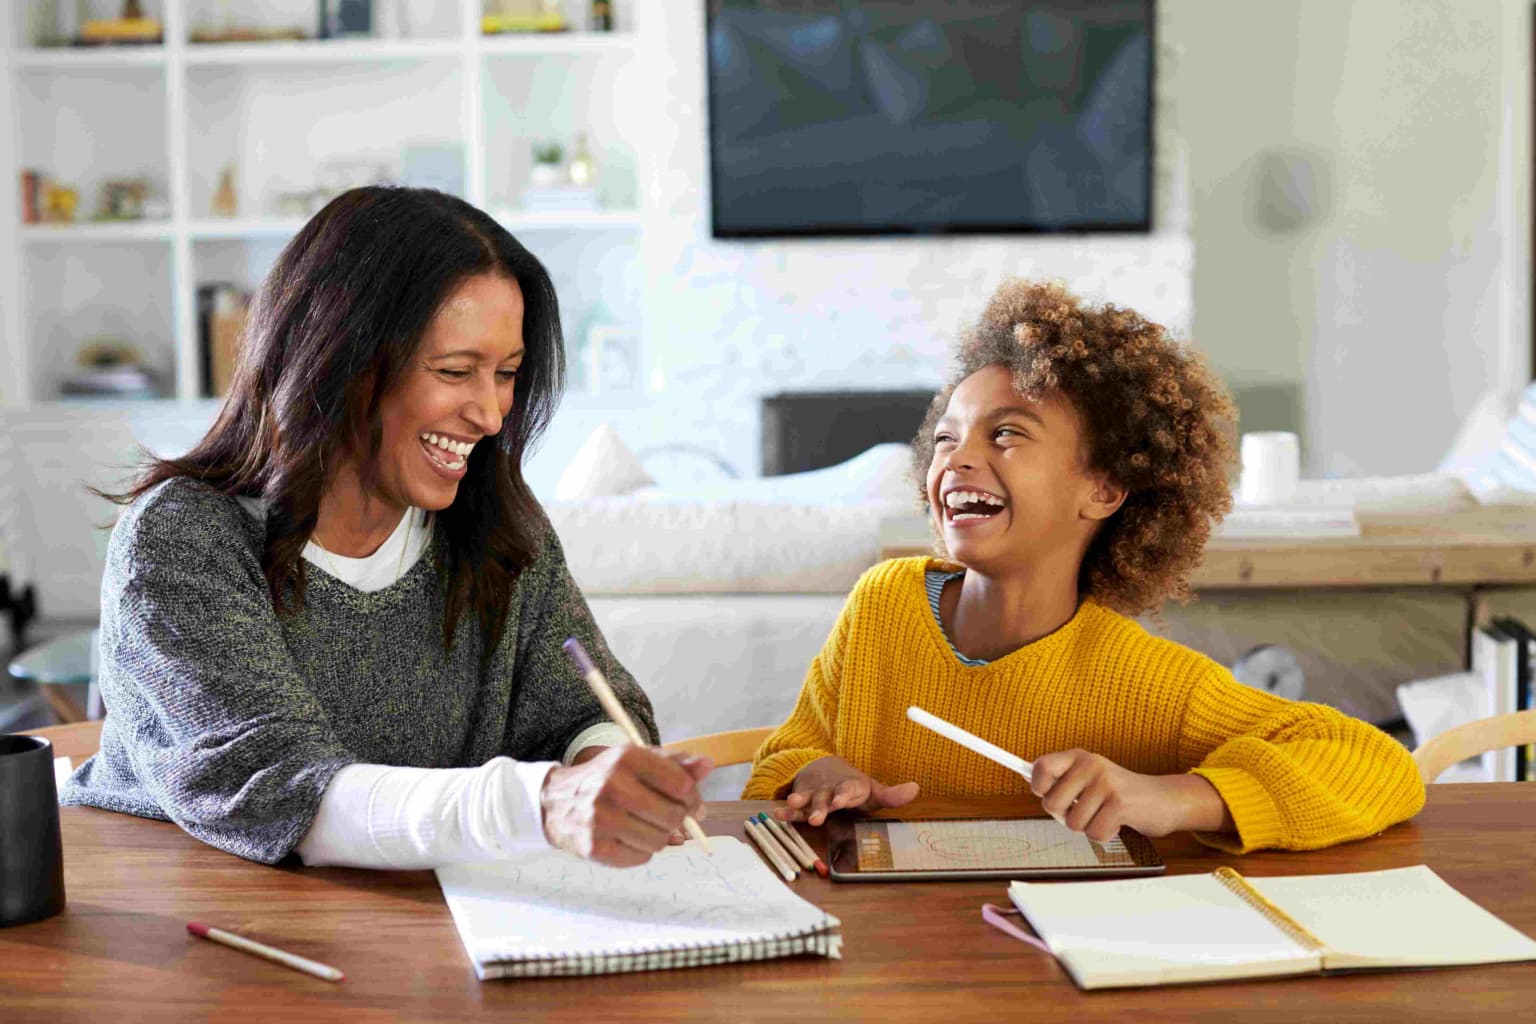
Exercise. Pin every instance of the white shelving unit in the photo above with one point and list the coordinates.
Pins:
(285, 116)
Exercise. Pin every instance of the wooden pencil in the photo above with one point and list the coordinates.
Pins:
(277, 956)
(813, 861)
(775, 828)
(773, 856)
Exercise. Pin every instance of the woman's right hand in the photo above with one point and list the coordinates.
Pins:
(831, 784)
(623, 805)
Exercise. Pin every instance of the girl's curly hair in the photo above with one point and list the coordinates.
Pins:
(1155, 419)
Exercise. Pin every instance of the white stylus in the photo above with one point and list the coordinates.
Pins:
(990, 751)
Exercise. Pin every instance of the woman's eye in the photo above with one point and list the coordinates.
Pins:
(507, 375)
(943, 439)
(1008, 432)
(454, 374)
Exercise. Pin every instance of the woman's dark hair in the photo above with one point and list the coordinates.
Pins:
(1156, 419)
(332, 328)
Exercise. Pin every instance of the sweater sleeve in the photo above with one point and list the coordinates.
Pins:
(1294, 775)
(808, 734)
(208, 714)
(551, 704)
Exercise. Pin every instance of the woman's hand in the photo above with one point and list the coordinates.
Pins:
(623, 804)
(830, 784)
(1093, 795)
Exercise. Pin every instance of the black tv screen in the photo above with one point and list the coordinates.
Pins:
(862, 117)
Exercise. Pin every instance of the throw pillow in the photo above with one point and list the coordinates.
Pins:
(603, 466)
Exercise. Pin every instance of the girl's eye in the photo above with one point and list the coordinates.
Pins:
(943, 439)
(507, 374)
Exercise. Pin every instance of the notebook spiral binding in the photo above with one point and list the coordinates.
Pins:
(559, 965)
(1277, 917)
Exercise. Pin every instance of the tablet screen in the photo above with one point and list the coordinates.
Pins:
(1018, 847)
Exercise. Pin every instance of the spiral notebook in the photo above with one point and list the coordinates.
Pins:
(1160, 931)
(546, 913)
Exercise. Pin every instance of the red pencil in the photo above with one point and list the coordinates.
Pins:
(245, 945)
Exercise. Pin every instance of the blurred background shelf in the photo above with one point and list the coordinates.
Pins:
(235, 144)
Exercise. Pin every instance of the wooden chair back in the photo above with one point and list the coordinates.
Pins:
(724, 748)
(1473, 738)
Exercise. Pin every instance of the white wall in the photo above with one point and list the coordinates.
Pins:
(1403, 294)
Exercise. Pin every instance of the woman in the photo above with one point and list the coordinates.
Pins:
(334, 627)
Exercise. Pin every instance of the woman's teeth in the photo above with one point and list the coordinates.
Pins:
(461, 449)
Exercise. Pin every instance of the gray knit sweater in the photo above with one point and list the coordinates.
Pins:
(230, 721)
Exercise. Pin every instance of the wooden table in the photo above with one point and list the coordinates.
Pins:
(913, 951)
(1476, 548)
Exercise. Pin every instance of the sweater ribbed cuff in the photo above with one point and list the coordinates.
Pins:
(1254, 812)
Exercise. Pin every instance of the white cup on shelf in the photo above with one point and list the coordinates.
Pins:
(1271, 467)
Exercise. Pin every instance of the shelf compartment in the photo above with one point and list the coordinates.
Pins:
(119, 293)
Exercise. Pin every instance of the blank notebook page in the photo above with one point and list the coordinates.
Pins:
(1144, 923)
(1401, 916)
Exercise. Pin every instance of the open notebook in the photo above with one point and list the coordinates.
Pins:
(1160, 931)
(549, 913)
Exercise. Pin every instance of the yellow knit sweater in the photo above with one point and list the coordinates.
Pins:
(1294, 775)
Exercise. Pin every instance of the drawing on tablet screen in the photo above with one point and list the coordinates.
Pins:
(971, 845)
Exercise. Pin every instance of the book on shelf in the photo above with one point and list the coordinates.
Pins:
(221, 312)
(1223, 926)
(1495, 656)
(1524, 764)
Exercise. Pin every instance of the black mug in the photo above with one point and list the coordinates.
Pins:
(31, 853)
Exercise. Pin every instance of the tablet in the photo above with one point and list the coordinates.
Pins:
(890, 849)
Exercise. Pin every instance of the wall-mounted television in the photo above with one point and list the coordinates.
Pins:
(872, 117)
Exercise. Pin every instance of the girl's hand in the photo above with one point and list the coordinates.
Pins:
(1093, 795)
(831, 784)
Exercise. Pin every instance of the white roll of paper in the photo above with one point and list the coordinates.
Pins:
(1271, 467)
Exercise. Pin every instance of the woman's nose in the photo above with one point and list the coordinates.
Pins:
(484, 409)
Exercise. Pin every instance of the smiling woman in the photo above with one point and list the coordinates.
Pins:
(334, 627)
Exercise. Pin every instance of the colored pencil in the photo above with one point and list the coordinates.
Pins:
(788, 848)
(792, 834)
(615, 710)
(278, 956)
(770, 852)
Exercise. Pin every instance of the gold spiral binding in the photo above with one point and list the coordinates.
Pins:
(1277, 917)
